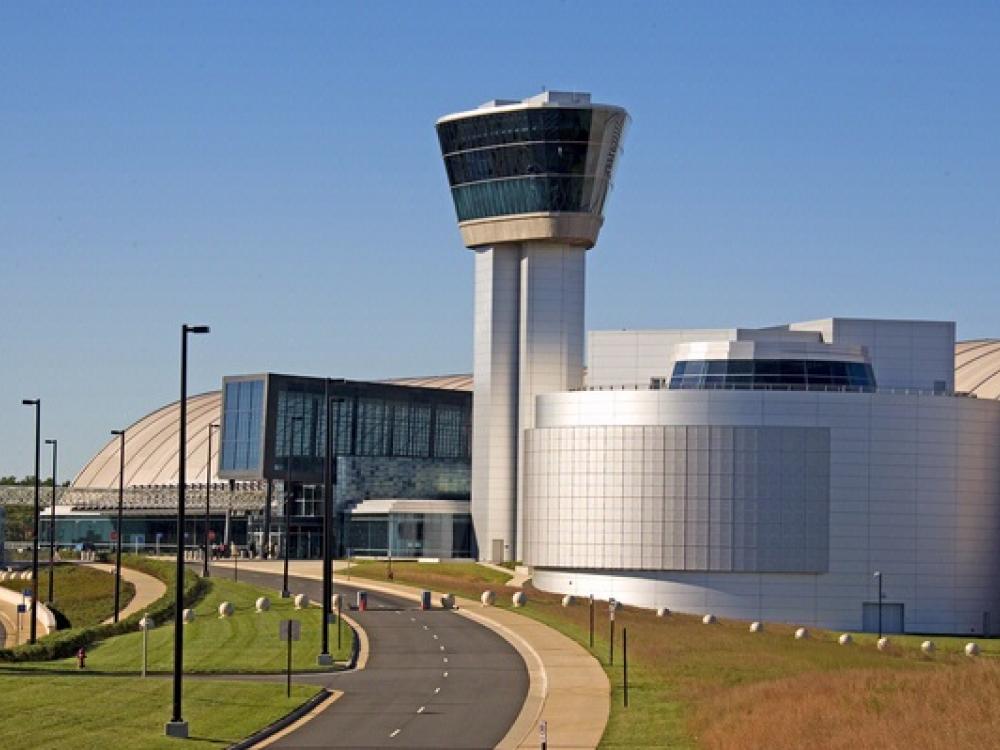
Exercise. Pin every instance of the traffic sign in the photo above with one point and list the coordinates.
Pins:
(289, 630)
(21, 609)
(114, 536)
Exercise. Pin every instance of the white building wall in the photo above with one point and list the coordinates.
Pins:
(551, 332)
(904, 353)
(628, 359)
(914, 492)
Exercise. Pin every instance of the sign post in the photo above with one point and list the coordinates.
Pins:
(591, 620)
(612, 605)
(543, 734)
(339, 600)
(289, 630)
(625, 661)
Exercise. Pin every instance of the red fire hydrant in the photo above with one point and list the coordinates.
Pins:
(81, 658)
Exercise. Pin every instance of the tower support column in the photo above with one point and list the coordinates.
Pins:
(495, 401)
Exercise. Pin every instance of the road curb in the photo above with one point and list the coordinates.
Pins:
(259, 739)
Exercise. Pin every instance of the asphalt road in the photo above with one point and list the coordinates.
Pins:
(433, 679)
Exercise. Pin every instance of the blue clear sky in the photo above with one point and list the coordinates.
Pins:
(271, 169)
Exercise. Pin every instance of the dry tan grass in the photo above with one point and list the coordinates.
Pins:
(943, 707)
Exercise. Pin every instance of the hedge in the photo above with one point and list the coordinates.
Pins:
(65, 643)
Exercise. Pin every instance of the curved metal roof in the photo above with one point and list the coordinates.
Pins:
(151, 448)
(977, 367)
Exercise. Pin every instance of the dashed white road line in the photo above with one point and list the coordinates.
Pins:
(441, 647)
(446, 660)
(437, 690)
(395, 733)
(421, 709)
(445, 674)
(435, 636)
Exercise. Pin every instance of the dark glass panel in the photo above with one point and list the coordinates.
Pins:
(516, 161)
(518, 196)
(533, 124)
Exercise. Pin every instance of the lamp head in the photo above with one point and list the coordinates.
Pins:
(51, 442)
(196, 329)
(118, 432)
(30, 401)
(878, 574)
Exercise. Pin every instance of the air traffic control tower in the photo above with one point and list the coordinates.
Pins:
(529, 180)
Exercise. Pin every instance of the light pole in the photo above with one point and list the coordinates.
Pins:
(37, 403)
(52, 523)
(878, 578)
(177, 727)
(285, 591)
(265, 551)
(208, 495)
(121, 504)
(329, 482)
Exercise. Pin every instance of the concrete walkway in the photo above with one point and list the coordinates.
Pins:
(519, 576)
(147, 589)
(568, 687)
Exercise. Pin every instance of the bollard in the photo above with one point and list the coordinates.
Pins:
(301, 601)
(845, 639)
(488, 598)
(226, 609)
(425, 600)
(362, 601)
(262, 604)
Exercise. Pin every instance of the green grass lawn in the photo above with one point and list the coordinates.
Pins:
(691, 684)
(83, 595)
(448, 577)
(246, 642)
(84, 712)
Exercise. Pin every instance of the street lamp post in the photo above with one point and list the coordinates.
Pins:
(37, 403)
(52, 523)
(329, 482)
(177, 727)
(878, 578)
(285, 591)
(208, 496)
(265, 551)
(121, 505)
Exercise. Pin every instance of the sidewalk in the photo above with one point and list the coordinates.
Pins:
(568, 688)
(147, 589)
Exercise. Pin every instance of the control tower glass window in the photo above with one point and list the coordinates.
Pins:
(542, 159)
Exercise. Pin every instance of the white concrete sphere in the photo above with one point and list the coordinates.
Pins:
(972, 649)
(519, 599)
(662, 612)
(301, 601)
(488, 598)
(845, 639)
(26, 575)
(336, 602)
(3, 575)
(262, 604)
(882, 644)
(708, 619)
(801, 634)
(567, 601)
(447, 601)
(147, 623)
(756, 627)
(187, 616)
(927, 647)
(226, 609)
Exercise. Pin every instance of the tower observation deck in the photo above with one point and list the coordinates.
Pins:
(529, 180)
